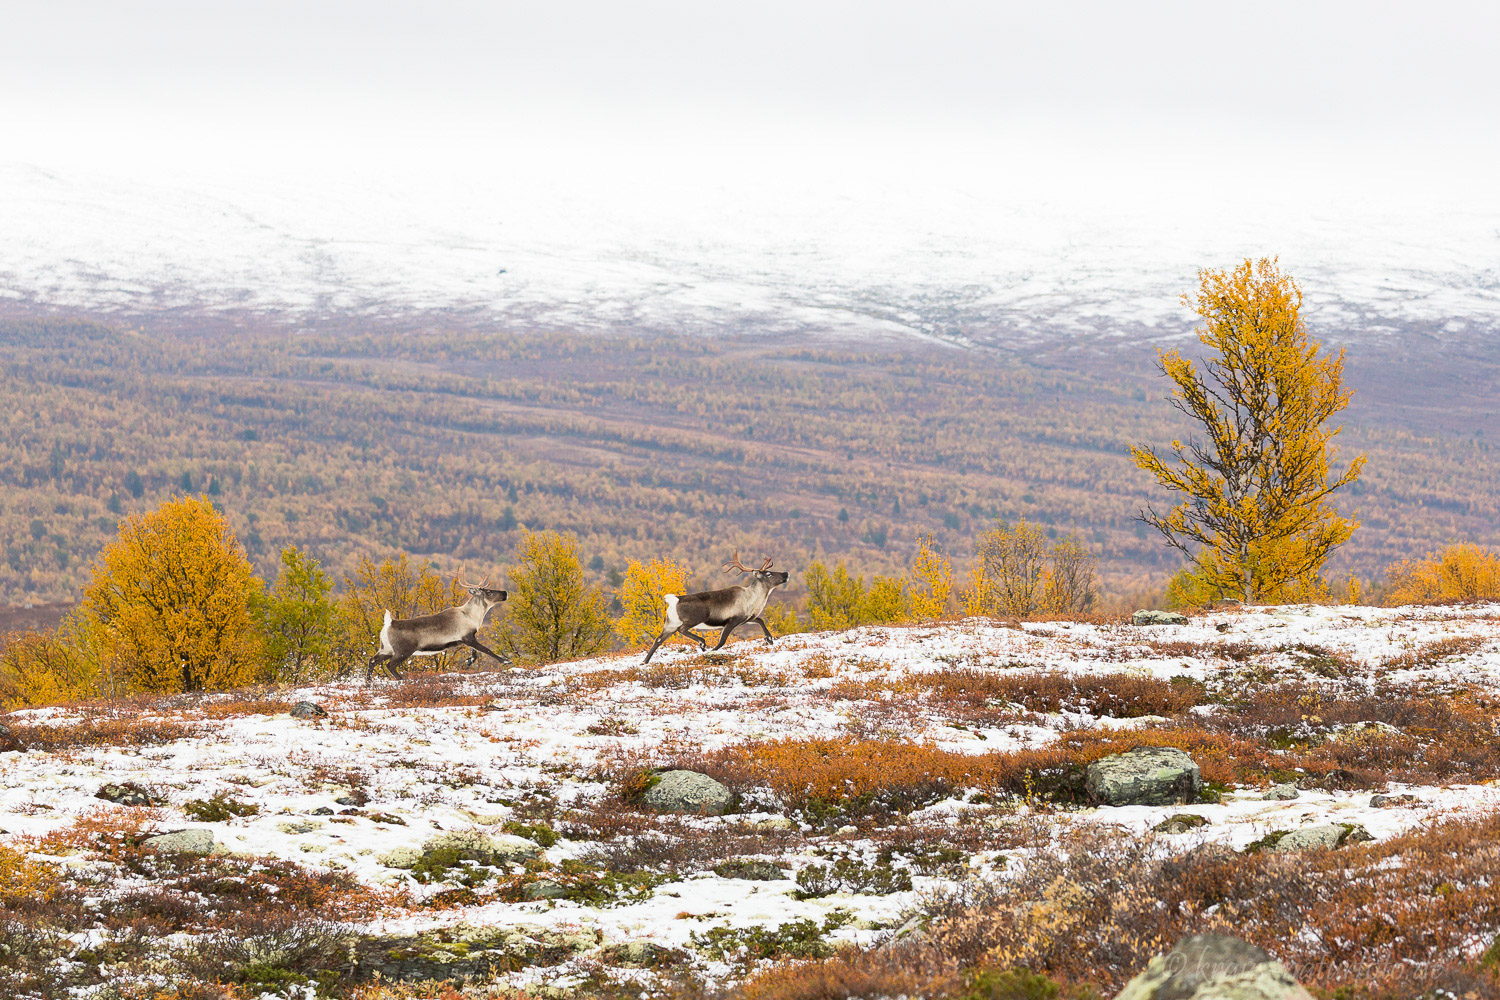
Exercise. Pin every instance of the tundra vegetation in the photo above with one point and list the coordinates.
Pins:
(919, 774)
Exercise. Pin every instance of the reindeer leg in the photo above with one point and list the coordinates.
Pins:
(689, 633)
(728, 628)
(655, 645)
(482, 648)
(370, 667)
(770, 639)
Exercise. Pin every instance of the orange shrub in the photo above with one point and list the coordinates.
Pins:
(1461, 572)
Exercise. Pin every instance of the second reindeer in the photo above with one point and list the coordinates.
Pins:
(726, 609)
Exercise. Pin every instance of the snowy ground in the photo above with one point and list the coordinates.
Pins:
(526, 736)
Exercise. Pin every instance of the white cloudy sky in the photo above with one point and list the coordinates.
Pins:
(1185, 128)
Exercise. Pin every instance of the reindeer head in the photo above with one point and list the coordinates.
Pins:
(762, 575)
(486, 596)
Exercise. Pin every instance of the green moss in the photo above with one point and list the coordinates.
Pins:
(1269, 840)
(218, 809)
(540, 834)
(794, 939)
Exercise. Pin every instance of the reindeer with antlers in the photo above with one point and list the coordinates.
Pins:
(429, 635)
(727, 609)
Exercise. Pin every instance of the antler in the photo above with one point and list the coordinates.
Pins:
(473, 586)
(737, 565)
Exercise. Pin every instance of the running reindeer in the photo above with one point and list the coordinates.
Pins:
(429, 635)
(728, 608)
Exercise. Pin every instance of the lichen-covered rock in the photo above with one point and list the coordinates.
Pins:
(195, 840)
(1325, 836)
(1147, 616)
(1214, 967)
(128, 793)
(754, 871)
(308, 710)
(544, 888)
(1180, 823)
(460, 846)
(686, 792)
(1148, 776)
(1280, 793)
(462, 951)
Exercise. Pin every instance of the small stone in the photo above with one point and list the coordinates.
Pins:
(1149, 617)
(1387, 801)
(544, 889)
(1278, 793)
(1150, 776)
(1180, 823)
(355, 798)
(751, 871)
(128, 793)
(686, 792)
(322, 811)
(776, 823)
(297, 826)
(308, 710)
(195, 840)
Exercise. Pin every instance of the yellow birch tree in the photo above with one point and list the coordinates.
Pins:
(170, 601)
(1254, 515)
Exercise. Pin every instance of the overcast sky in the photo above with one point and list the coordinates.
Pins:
(194, 78)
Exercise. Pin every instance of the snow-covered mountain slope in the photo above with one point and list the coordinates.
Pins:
(488, 749)
(938, 249)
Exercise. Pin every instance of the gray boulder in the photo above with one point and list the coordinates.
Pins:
(1214, 967)
(1278, 793)
(544, 889)
(1146, 776)
(128, 793)
(308, 710)
(195, 840)
(1325, 836)
(1148, 617)
(686, 792)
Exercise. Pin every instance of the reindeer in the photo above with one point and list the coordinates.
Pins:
(429, 635)
(728, 609)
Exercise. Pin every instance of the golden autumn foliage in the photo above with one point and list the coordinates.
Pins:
(1460, 572)
(1253, 513)
(1016, 571)
(170, 601)
(641, 597)
(42, 668)
(929, 586)
(553, 612)
(24, 882)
